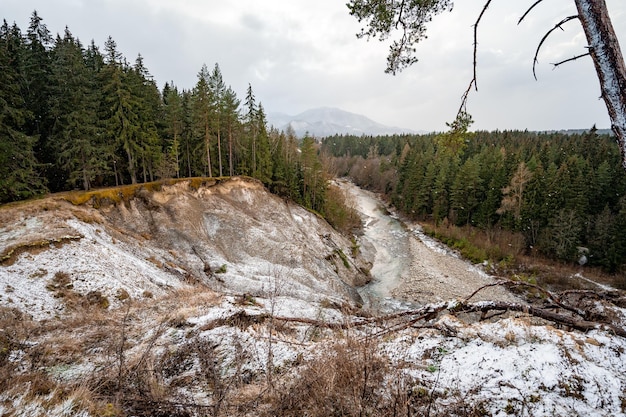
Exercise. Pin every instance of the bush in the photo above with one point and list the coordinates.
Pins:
(339, 211)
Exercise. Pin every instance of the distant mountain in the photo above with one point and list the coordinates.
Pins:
(328, 121)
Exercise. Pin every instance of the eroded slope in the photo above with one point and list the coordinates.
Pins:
(232, 236)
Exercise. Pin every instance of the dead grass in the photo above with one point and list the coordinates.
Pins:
(507, 254)
(10, 254)
(123, 194)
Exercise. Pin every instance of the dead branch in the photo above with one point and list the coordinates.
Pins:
(582, 325)
(528, 11)
(571, 59)
(473, 82)
(572, 317)
(549, 295)
(557, 26)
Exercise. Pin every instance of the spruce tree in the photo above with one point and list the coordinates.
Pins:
(119, 108)
(174, 126)
(230, 117)
(19, 170)
(263, 154)
(148, 101)
(75, 134)
(248, 165)
(203, 109)
(218, 90)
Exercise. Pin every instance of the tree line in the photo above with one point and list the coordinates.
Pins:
(72, 116)
(565, 194)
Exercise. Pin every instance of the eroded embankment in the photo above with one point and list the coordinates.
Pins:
(231, 235)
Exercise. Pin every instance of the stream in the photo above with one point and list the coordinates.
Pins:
(385, 240)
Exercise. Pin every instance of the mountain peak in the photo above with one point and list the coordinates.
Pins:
(328, 121)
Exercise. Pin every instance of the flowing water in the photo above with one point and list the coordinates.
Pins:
(385, 240)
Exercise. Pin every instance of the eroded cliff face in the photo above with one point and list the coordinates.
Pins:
(233, 236)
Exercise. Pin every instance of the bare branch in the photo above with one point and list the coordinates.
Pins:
(473, 82)
(549, 295)
(557, 26)
(571, 59)
(400, 17)
(485, 7)
(582, 325)
(528, 11)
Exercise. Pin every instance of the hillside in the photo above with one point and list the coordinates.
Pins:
(233, 237)
(329, 121)
(214, 297)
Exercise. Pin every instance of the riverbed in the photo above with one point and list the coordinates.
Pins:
(408, 267)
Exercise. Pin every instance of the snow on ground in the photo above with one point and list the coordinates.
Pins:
(94, 263)
(521, 369)
(512, 366)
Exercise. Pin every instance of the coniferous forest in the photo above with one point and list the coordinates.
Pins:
(75, 117)
(563, 194)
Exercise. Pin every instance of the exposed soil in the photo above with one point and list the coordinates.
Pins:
(436, 274)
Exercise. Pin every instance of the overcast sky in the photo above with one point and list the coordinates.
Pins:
(302, 54)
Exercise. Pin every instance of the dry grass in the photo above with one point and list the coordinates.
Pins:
(123, 194)
(10, 254)
(507, 253)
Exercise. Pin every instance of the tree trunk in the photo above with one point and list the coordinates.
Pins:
(207, 141)
(609, 62)
(230, 150)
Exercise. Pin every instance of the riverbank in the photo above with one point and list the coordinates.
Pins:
(411, 267)
(437, 274)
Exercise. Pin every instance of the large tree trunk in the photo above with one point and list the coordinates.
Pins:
(609, 63)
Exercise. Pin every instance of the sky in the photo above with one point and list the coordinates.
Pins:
(303, 54)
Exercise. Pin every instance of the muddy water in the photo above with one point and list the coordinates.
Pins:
(386, 242)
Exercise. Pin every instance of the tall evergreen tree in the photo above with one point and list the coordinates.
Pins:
(119, 108)
(230, 117)
(75, 130)
(218, 90)
(19, 176)
(203, 111)
(36, 75)
(174, 125)
(263, 154)
(148, 108)
(251, 132)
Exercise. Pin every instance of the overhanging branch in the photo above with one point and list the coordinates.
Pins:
(473, 82)
(557, 26)
(528, 11)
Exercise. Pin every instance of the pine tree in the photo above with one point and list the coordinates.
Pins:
(119, 108)
(19, 176)
(74, 109)
(203, 106)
